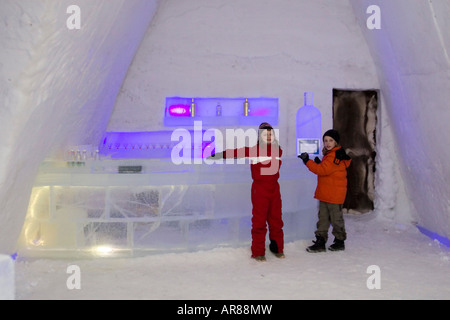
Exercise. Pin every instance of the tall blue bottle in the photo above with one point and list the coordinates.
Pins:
(309, 127)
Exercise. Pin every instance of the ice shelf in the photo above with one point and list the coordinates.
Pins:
(91, 209)
(220, 111)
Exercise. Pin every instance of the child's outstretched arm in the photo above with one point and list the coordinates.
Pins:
(237, 153)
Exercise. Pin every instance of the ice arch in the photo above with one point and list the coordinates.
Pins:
(58, 86)
(411, 51)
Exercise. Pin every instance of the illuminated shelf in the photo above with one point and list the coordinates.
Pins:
(149, 144)
(178, 111)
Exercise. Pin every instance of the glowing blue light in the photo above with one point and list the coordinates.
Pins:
(435, 236)
(148, 144)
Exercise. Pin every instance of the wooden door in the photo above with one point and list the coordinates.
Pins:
(355, 118)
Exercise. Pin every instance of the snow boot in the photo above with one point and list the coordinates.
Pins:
(338, 245)
(273, 246)
(318, 246)
(259, 258)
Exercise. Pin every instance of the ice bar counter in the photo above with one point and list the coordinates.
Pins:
(95, 210)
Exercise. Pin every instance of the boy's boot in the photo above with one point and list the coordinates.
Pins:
(338, 245)
(274, 249)
(318, 246)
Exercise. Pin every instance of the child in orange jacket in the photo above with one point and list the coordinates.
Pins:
(331, 191)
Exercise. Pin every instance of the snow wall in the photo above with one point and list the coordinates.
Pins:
(411, 51)
(255, 48)
(59, 86)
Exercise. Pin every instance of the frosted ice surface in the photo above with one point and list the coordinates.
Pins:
(165, 208)
(7, 278)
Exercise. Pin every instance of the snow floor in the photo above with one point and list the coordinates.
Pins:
(411, 265)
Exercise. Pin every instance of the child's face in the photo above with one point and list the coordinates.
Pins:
(329, 143)
(266, 136)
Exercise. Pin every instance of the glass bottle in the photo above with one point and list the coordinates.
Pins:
(218, 110)
(246, 107)
(192, 108)
(309, 125)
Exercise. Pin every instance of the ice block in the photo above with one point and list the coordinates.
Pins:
(7, 279)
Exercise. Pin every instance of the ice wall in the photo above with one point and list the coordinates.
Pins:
(218, 48)
(58, 86)
(234, 48)
(411, 51)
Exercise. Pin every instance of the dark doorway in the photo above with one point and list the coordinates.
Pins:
(355, 117)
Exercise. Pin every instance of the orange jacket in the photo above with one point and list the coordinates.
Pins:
(331, 178)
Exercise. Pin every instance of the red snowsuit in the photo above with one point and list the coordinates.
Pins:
(265, 195)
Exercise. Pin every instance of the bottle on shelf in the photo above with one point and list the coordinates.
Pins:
(192, 108)
(309, 127)
(218, 110)
(246, 107)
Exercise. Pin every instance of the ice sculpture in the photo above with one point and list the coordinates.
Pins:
(309, 127)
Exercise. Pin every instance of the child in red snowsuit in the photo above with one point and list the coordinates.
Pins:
(265, 193)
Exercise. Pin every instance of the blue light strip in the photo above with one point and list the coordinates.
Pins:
(435, 236)
(150, 144)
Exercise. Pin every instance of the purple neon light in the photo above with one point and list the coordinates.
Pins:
(152, 144)
(260, 112)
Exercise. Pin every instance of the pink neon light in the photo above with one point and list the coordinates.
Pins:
(179, 110)
(260, 112)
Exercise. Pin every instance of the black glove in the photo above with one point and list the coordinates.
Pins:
(341, 155)
(305, 157)
(216, 156)
(317, 160)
